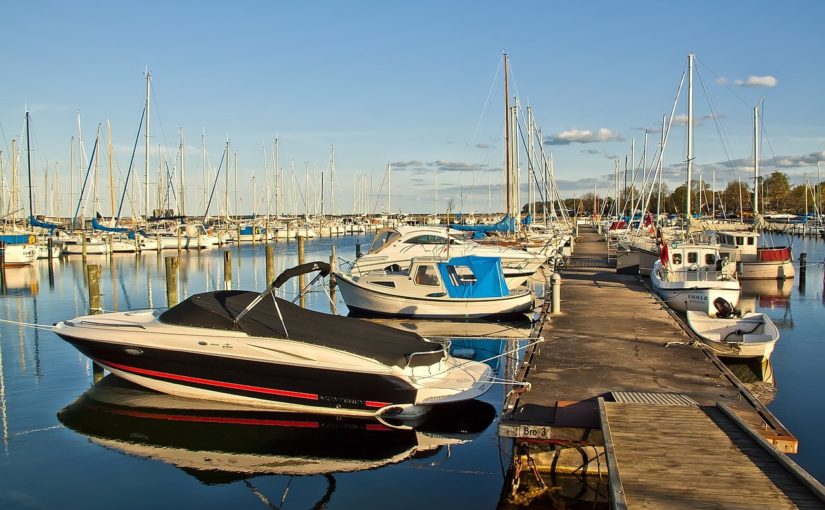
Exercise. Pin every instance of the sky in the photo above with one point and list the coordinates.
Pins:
(417, 85)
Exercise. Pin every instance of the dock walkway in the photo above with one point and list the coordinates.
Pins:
(613, 337)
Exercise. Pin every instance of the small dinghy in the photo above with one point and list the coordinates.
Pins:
(753, 335)
(433, 287)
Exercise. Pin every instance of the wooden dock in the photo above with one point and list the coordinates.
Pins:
(680, 433)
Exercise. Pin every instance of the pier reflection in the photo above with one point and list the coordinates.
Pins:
(217, 443)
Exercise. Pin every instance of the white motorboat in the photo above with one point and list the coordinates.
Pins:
(263, 352)
(18, 250)
(752, 261)
(393, 249)
(459, 287)
(693, 277)
(753, 335)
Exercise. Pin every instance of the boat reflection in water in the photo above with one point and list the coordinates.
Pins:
(772, 294)
(217, 444)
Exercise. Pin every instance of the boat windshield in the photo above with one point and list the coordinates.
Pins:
(383, 239)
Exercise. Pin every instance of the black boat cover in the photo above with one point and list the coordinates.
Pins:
(217, 310)
(309, 267)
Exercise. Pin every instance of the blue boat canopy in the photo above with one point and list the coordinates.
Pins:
(473, 277)
(507, 224)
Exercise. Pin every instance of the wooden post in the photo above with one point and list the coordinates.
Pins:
(227, 270)
(270, 263)
(111, 246)
(803, 269)
(2, 267)
(83, 246)
(301, 278)
(332, 261)
(50, 247)
(180, 240)
(172, 266)
(93, 277)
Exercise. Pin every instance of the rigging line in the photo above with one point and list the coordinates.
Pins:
(764, 133)
(129, 171)
(721, 80)
(486, 104)
(718, 127)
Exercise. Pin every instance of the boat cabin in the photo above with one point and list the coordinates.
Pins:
(696, 262)
(738, 246)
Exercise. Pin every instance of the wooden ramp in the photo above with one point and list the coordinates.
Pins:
(683, 456)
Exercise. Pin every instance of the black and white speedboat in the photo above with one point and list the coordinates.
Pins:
(261, 351)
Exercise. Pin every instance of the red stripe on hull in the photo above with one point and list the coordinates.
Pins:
(209, 382)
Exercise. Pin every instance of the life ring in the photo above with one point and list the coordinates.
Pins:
(32, 239)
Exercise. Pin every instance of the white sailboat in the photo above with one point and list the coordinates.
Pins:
(693, 276)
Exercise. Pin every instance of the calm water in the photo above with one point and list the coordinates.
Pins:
(798, 309)
(62, 450)
(93, 455)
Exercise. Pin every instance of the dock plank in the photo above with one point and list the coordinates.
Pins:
(695, 457)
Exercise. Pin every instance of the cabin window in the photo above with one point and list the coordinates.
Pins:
(692, 257)
(426, 239)
(383, 239)
(426, 275)
(385, 284)
(461, 275)
(750, 241)
(677, 259)
(710, 259)
(740, 241)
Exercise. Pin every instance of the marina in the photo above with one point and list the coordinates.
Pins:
(578, 379)
(412, 256)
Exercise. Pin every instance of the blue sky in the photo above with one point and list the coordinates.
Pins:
(408, 83)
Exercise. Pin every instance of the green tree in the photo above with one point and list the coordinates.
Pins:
(775, 190)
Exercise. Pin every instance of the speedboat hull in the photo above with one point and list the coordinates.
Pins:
(276, 373)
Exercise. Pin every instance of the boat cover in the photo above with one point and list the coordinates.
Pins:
(217, 310)
(489, 278)
(309, 267)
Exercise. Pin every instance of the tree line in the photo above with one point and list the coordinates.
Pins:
(777, 195)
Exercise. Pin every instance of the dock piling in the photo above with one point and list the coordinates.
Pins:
(270, 263)
(172, 271)
(227, 270)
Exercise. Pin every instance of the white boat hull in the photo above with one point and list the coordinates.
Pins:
(371, 300)
(753, 335)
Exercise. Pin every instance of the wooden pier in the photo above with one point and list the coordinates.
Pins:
(618, 382)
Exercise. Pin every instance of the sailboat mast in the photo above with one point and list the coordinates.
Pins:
(181, 175)
(146, 148)
(111, 168)
(29, 163)
(755, 161)
(507, 130)
(332, 184)
(689, 136)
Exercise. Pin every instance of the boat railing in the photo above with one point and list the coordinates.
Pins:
(444, 350)
(697, 275)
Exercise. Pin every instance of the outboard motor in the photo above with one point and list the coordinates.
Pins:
(724, 310)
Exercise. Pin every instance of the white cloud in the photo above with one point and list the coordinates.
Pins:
(757, 81)
(721, 80)
(583, 136)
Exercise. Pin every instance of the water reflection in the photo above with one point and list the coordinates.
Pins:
(216, 443)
